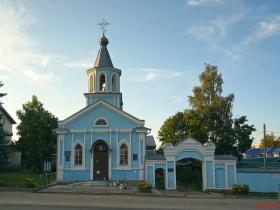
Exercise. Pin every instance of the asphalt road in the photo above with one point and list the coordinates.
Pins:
(54, 201)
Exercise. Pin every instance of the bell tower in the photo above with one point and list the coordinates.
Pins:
(103, 78)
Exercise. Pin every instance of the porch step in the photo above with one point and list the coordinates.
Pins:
(90, 184)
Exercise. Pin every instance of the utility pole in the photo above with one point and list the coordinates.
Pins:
(264, 141)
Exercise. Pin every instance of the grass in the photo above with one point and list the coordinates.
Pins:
(16, 179)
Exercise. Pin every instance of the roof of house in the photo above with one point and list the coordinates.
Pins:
(7, 114)
(152, 155)
(150, 142)
(257, 151)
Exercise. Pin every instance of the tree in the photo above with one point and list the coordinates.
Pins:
(174, 129)
(270, 141)
(4, 141)
(37, 140)
(211, 112)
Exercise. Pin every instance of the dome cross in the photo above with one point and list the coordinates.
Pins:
(103, 25)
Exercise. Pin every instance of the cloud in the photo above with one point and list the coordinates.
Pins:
(265, 30)
(202, 33)
(216, 30)
(18, 55)
(42, 78)
(151, 74)
(154, 74)
(204, 2)
(84, 64)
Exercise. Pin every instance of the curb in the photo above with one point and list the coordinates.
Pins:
(44, 187)
(15, 189)
(102, 193)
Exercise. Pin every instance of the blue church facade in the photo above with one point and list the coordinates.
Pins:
(103, 142)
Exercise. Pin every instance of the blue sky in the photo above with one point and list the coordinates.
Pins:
(161, 47)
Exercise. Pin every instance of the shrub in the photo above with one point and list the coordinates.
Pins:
(144, 187)
(240, 188)
(29, 182)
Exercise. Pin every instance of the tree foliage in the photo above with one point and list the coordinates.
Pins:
(37, 140)
(4, 141)
(174, 129)
(209, 112)
(270, 141)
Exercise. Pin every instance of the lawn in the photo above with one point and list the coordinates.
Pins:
(16, 179)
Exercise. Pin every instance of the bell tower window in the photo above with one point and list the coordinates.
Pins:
(102, 83)
(114, 85)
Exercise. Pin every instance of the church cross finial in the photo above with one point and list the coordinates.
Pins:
(103, 24)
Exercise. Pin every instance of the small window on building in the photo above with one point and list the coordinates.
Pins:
(78, 155)
(101, 122)
(102, 83)
(123, 154)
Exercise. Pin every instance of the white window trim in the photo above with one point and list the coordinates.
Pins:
(101, 118)
(91, 83)
(73, 166)
(128, 166)
(116, 84)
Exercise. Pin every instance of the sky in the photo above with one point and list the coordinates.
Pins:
(46, 46)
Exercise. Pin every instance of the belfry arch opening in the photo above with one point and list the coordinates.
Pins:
(189, 174)
(102, 83)
(114, 84)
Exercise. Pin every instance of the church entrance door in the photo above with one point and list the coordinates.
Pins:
(100, 160)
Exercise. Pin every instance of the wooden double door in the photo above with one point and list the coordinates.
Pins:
(100, 160)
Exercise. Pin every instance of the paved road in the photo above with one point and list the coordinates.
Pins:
(44, 201)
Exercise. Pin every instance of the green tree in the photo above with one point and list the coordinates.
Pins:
(37, 140)
(211, 112)
(174, 129)
(4, 141)
(270, 141)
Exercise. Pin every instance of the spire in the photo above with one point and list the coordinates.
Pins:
(103, 57)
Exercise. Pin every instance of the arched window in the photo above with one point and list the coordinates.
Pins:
(101, 122)
(123, 154)
(91, 83)
(78, 155)
(114, 85)
(102, 83)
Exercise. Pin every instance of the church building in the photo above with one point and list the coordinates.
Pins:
(103, 142)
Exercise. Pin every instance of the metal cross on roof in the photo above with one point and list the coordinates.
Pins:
(103, 24)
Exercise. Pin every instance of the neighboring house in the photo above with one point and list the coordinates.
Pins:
(259, 152)
(8, 121)
(103, 142)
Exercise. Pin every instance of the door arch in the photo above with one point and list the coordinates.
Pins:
(100, 152)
